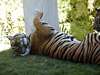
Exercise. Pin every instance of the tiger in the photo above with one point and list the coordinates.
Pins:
(46, 40)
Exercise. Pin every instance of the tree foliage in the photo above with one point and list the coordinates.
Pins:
(11, 17)
(78, 15)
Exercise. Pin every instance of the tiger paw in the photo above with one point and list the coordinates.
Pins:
(38, 13)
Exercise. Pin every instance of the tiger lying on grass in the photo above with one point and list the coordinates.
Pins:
(47, 41)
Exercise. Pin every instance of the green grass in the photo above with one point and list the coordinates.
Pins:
(41, 65)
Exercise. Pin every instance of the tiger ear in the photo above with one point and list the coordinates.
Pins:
(10, 37)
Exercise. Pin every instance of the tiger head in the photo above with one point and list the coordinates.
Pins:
(20, 44)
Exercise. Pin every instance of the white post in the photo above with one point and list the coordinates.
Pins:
(49, 7)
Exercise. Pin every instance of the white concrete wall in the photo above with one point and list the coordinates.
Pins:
(49, 7)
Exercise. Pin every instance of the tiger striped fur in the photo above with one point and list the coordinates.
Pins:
(48, 41)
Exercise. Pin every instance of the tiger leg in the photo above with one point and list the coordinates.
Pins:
(41, 30)
(36, 20)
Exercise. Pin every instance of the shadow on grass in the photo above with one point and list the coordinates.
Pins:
(41, 65)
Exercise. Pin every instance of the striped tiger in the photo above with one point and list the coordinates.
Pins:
(47, 41)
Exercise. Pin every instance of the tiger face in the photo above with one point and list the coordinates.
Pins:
(20, 44)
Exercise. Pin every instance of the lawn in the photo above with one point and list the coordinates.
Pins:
(42, 65)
